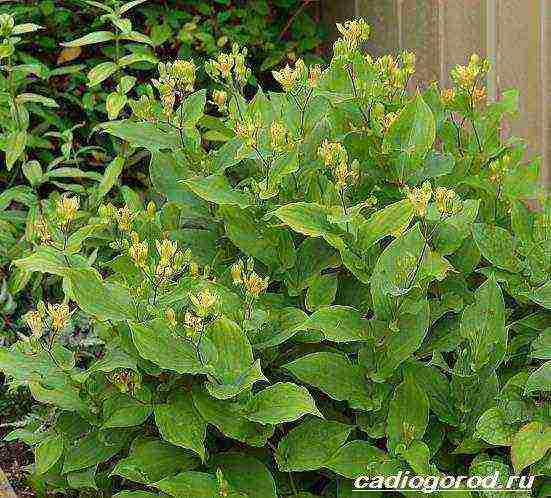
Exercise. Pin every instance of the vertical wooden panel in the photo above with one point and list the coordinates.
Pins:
(545, 6)
(519, 64)
(420, 34)
(383, 16)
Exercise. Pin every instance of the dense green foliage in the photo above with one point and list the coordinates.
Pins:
(336, 280)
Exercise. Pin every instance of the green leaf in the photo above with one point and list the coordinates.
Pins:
(497, 245)
(541, 295)
(226, 417)
(43, 260)
(16, 142)
(156, 342)
(541, 347)
(338, 324)
(150, 461)
(408, 415)
(101, 72)
(310, 445)
(216, 189)
(282, 402)
(494, 428)
(110, 176)
(530, 444)
(190, 485)
(193, 107)
(90, 39)
(360, 458)
(23, 98)
(411, 136)
(335, 375)
(245, 474)
(21, 29)
(145, 135)
(107, 301)
(114, 104)
(392, 220)
(321, 291)
(540, 380)
(181, 424)
(483, 325)
(48, 452)
(122, 410)
(58, 390)
(96, 447)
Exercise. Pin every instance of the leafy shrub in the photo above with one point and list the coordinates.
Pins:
(335, 280)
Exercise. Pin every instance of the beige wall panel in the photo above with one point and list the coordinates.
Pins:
(519, 64)
(385, 21)
(462, 33)
(546, 86)
(419, 20)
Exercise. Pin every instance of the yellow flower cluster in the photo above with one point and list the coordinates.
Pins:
(53, 316)
(252, 283)
(139, 251)
(230, 67)
(7, 23)
(67, 209)
(448, 97)
(334, 156)
(203, 302)
(354, 33)
(249, 130)
(467, 78)
(420, 198)
(220, 98)
(279, 136)
(445, 201)
(175, 78)
(126, 381)
(499, 169)
(43, 231)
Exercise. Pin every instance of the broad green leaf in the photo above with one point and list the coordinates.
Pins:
(493, 427)
(193, 107)
(497, 245)
(48, 452)
(122, 410)
(58, 390)
(216, 189)
(272, 246)
(541, 295)
(145, 135)
(392, 220)
(338, 324)
(540, 380)
(310, 445)
(411, 136)
(541, 347)
(226, 417)
(16, 142)
(408, 415)
(43, 260)
(401, 342)
(309, 219)
(190, 485)
(156, 342)
(150, 461)
(321, 291)
(101, 72)
(245, 474)
(483, 325)
(23, 98)
(114, 104)
(96, 447)
(105, 300)
(90, 39)
(360, 458)
(282, 402)
(110, 176)
(83, 479)
(229, 356)
(335, 375)
(181, 424)
(530, 444)
(281, 327)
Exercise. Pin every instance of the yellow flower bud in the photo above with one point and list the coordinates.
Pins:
(66, 209)
(237, 272)
(59, 313)
(170, 316)
(126, 219)
(220, 98)
(420, 198)
(34, 321)
(444, 200)
(203, 301)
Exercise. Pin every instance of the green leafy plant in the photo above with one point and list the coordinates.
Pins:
(336, 280)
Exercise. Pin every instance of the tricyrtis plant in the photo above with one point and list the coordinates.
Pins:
(337, 280)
